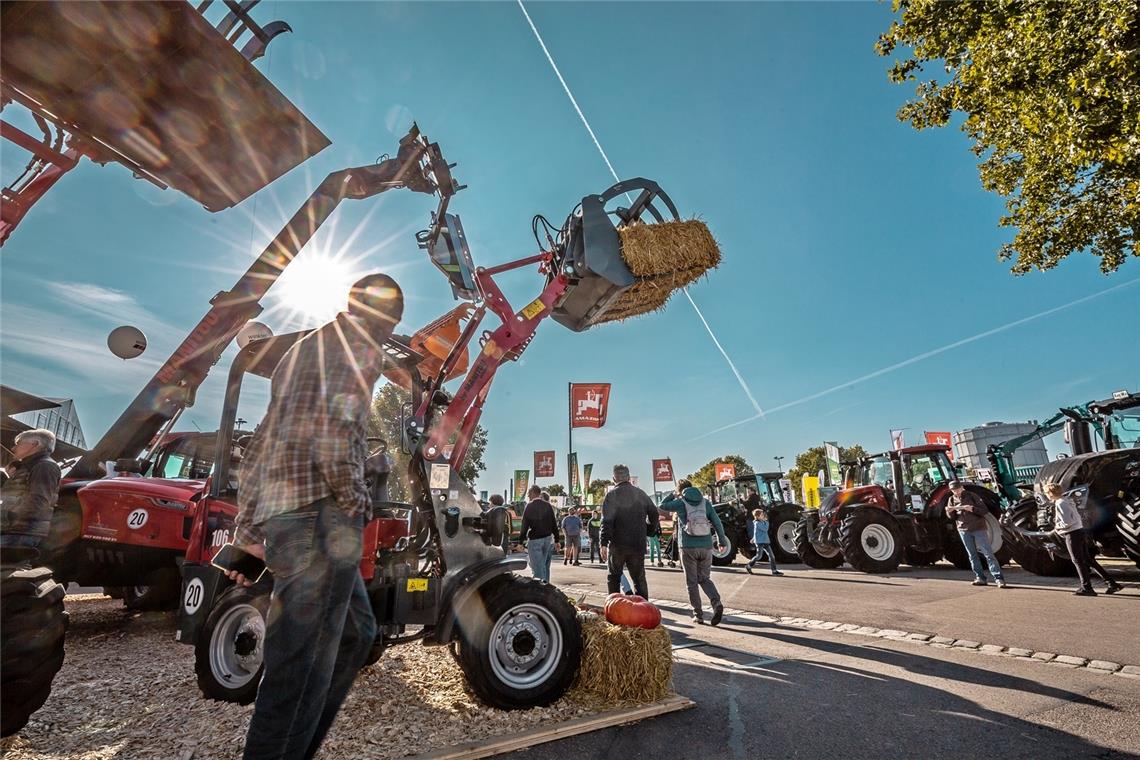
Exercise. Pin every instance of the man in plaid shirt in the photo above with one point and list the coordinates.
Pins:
(302, 505)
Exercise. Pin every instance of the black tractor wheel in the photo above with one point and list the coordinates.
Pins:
(32, 628)
(871, 540)
(724, 554)
(1128, 524)
(160, 592)
(520, 643)
(782, 535)
(918, 558)
(1029, 553)
(228, 653)
(819, 556)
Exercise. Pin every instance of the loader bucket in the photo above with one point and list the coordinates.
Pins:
(622, 268)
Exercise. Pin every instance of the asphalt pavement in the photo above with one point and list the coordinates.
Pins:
(1036, 613)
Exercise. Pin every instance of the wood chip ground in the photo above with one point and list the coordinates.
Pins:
(127, 690)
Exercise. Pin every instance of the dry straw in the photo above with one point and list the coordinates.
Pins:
(664, 257)
(621, 666)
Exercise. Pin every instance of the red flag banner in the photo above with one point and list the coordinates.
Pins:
(544, 464)
(725, 471)
(589, 403)
(941, 439)
(662, 471)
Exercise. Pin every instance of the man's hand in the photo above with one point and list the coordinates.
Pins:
(257, 550)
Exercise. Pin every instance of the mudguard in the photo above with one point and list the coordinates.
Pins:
(201, 586)
(463, 589)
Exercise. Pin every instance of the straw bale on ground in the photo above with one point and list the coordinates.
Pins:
(622, 666)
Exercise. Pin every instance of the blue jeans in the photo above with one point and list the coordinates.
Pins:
(761, 549)
(540, 551)
(977, 543)
(319, 631)
(20, 540)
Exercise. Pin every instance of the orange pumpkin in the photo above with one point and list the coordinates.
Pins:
(631, 611)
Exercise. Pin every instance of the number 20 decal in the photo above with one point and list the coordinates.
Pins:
(193, 599)
(137, 519)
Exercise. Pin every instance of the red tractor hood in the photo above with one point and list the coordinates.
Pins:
(159, 488)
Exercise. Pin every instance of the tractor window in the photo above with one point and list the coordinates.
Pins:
(876, 472)
(924, 472)
(190, 457)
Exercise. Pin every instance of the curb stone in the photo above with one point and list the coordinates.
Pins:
(1070, 660)
(990, 649)
(1043, 656)
(1111, 667)
(944, 640)
(920, 637)
(1017, 652)
(966, 644)
(866, 631)
(891, 633)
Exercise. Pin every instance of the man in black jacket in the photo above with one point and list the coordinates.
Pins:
(628, 516)
(30, 492)
(539, 532)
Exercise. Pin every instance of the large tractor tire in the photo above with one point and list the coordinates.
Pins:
(520, 643)
(229, 650)
(782, 535)
(819, 556)
(956, 550)
(160, 592)
(917, 558)
(1031, 556)
(724, 554)
(1128, 523)
(32, 628)
(871, 540)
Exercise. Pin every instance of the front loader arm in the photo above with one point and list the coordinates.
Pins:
(417, 166)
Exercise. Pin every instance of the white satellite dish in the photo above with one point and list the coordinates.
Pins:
(251, 332)
(126, 342)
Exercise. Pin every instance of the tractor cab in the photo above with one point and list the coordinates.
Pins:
(908, 479)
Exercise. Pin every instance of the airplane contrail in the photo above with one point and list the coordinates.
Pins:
(924, 355)
(610, 166)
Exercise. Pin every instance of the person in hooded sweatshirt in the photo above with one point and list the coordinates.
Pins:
(697, 521)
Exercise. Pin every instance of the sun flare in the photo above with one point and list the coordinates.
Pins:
(315, 287)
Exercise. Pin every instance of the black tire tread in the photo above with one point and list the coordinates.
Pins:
(806, 552)
(32, 632)
(850, 532)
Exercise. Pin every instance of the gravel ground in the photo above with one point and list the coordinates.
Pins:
(128, 690)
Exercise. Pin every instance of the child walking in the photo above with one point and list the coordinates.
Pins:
(760, 538)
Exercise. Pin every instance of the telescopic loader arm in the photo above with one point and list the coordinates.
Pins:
(417, 166)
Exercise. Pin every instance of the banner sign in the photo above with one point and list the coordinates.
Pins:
(725, 471)
(941, 439)
(587, 471)
(543, 464)
(831, 450)
(575, 484)
(589, 403)
(897, 439)
(811, 492)
(522, 482)
(662, 471)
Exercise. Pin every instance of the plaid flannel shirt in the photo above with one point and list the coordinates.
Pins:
(311, 444)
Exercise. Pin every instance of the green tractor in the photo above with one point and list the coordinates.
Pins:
(729, 497)
(1105, 484)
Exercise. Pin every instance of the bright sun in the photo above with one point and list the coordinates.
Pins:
(315, 286)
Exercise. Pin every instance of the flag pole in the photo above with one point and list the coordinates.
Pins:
(570, 438)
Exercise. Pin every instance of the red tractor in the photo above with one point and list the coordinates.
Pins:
(892, 510)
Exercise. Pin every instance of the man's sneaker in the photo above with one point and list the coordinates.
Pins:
(718, 613)
(1113, 588)
(748, 567)
(1084, 592)
(698, 619)
(776, 572)
(1002, 584)
(979, 582)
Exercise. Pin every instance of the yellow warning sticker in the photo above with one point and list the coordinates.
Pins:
(533, 309)
(417, 584)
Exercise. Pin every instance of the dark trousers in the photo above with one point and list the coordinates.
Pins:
(1077, 542)
(318, 634)
(631, 559)
(595, 548)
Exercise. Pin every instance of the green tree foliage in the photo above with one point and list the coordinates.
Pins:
(557, 489)
(385, 423)
(1051, 97)
(813, 460)
(706, 476)
(597, 489)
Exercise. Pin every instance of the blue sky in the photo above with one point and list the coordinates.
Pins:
(851, 242)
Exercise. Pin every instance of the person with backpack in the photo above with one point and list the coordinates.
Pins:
(696, 521)
(628, 516)
(760, 540)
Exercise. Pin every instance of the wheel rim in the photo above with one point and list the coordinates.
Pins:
(825, 550)
(139, 591)
(526, 644)
(993, 528)
(878, 543)
(236, 647)
(786, 536)
(721, 551)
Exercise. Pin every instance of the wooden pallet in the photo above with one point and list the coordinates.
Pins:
(524, 739)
